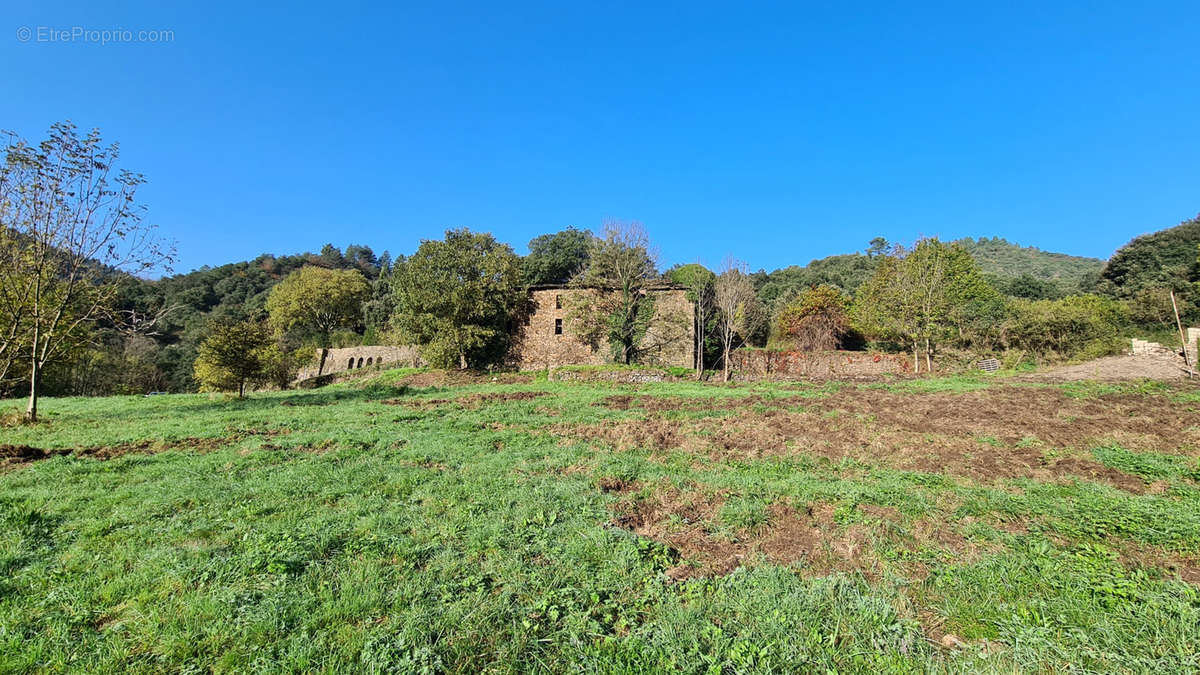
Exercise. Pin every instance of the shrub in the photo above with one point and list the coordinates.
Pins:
(1074, 325)
(814, 320)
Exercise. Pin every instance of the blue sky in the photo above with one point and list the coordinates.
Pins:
(777, 133)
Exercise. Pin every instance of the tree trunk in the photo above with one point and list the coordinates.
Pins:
(35, 371)
(916, 357)
(928, 357)
(462, 361)
(35, 375)
(725, 359)
(241, 389)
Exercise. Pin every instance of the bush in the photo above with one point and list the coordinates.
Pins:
(1074, 325)
(814, 320)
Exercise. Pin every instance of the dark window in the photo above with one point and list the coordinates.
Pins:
(350, 364)
(558, 302)
(558, 326)
(370, 361)
(360, 362)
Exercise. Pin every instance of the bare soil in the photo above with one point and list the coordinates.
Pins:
(443, 378)
(469, 401)
(15, 455)
(1117, 368)
(999, 432)
(807, 536)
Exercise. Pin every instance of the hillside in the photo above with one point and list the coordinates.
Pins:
(1164, 259)
(1001, 258)
(233, 291)
(1003, 262)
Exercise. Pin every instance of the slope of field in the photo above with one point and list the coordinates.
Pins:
(422, 523)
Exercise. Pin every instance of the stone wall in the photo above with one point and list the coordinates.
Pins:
(545, 340)
(1145, 348)
(767, 363)
(352, 358)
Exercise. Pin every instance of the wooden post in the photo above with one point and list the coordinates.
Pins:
(1179, 324)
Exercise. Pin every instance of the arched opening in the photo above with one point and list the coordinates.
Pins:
(350, 364)
(370, 360)
(360, 362)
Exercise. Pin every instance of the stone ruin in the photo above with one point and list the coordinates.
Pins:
(330, 361)
(1148, 348)
(544, 340)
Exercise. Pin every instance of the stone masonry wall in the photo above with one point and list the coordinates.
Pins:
(768, 363)
(352, 358)
(1147, 348)
(547, 341)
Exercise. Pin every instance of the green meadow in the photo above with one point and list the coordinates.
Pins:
(401, 524)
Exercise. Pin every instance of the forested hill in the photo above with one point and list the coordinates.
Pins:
(230, 292)
(1164, 259)
(1001, 258)
(1025, 271)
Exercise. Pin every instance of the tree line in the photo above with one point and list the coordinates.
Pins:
(79, 318)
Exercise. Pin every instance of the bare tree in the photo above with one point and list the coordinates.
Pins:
(621, 265)
(737, 312)
(73, 232)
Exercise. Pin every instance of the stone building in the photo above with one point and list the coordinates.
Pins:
(546, 339)
(351, 358)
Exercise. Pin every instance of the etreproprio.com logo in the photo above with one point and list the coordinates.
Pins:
(100, 36)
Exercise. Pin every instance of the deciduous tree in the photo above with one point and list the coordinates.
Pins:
(232, 356)
(73, 232)
(557, 258)
(699, 282)
(920, 296)
(618, 308)
(455, 299)
(737, 307)
(815, 320)
(316, 302)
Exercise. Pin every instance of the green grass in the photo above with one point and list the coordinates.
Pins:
(327, 531)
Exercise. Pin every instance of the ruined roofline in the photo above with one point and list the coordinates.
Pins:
(652, 286)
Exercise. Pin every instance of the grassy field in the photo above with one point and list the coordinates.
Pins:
(420, 522)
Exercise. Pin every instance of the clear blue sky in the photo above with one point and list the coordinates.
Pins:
(778, 133)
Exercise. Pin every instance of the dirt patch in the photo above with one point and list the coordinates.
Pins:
(686, 522)
(419, 403)
(469, 401)
(11, 455)
(1013, 415)
(670, 403)
(444, 378)
(498, 397)
(22, 454)
(1095, 471)
(611, 484)
(1118, 368)
(1173, 565)
(319, 448)
(1000, 432)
